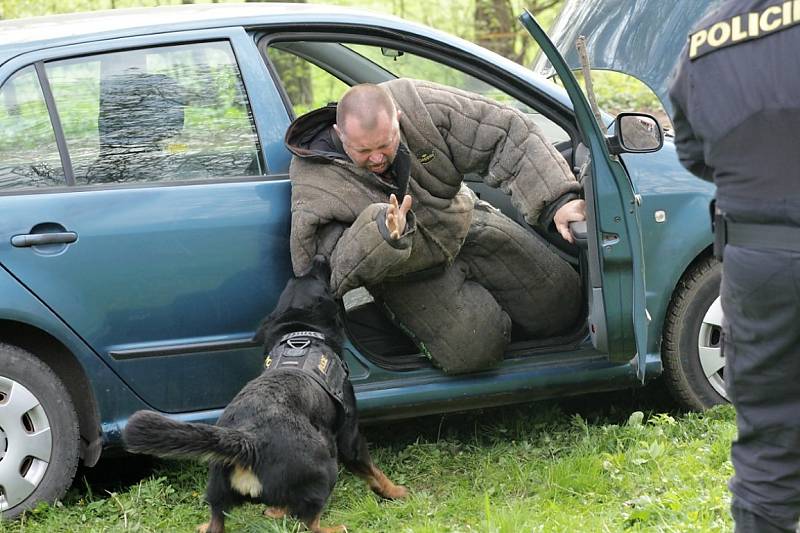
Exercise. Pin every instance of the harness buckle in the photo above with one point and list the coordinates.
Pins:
(298, 344)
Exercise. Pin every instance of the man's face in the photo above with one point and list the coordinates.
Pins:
(373, 149)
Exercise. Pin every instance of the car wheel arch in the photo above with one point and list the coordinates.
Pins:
(680, 373)
(53, 353)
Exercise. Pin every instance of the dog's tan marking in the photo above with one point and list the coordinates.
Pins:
(276, 512)
(314, 527)
(383, 486)
(245, 482)
(215, 525)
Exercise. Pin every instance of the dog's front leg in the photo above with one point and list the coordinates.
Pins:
(356, 458)
(314, 527)
(354, 453)
(276, 512)
(380, 484)
(215, 525)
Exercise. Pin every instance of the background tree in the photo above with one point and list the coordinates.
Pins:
(293, 71)
(497, 28)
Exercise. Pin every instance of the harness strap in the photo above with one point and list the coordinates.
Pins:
(305, 352)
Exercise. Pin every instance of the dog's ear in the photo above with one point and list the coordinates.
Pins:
(261, 333)
(320, 268)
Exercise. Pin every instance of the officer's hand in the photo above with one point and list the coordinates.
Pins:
(396, 216)
(572, 211)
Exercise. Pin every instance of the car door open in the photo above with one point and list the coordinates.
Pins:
(617, 314)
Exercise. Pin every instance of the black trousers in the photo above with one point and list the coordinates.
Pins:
(761, 304)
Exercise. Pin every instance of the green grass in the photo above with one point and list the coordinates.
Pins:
(539, 467)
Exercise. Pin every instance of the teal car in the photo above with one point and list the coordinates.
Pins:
(145, 227)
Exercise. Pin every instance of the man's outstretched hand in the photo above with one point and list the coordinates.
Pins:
(396, 216)
(572, 211)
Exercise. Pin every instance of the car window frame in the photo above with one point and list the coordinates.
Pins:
(252, 75)
(452, 57)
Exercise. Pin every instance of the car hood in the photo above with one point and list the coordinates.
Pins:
(642, 38)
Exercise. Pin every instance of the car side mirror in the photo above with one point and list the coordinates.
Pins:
(635, 133)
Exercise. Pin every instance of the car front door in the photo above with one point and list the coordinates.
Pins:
(617, 314)
(138, 205)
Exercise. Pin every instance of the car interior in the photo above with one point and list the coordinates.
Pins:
(333, 63)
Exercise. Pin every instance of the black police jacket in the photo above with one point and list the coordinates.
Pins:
(736, 98)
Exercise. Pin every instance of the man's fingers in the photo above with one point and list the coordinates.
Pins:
(566, 233)
(406, 207)
(393, 200)
(563, 230)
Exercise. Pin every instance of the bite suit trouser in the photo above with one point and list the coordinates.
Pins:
(462, 317)
(761, 304)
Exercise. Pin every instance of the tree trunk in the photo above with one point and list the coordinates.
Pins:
(497, 28)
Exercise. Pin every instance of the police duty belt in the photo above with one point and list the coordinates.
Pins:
(306, 352)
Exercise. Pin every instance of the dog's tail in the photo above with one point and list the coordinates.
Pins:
(154, 434)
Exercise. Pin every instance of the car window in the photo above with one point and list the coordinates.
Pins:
(28, 151)
(159, 114)
(309, 86)
(408, 65)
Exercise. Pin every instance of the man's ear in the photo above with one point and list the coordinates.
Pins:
(399, 114)
(337, 130)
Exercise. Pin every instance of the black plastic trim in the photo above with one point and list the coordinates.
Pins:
(181, 349)
(55, 120)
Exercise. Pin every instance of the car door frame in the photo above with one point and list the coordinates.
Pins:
(617, 227)
(252, 72)
(611, 325)
(269, 120)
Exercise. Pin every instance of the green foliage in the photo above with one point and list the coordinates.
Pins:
(619, 92)
(530, 468)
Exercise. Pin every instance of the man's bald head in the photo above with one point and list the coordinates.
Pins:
(368, 126)
(365, 104)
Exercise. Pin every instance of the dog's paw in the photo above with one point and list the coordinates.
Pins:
(275, 512)
(203, 528)
(314, 527)
(395, 492)
(333, 529)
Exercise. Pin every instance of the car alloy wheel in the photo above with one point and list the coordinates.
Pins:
(691, 352)
(39, 436)
(26, 443)
(709, 347)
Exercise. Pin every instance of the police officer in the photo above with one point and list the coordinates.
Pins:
(736, 97)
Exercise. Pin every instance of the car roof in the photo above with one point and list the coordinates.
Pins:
(27, 34)
(19, 36)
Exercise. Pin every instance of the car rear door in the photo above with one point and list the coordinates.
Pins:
(617, 314)
(139, 205)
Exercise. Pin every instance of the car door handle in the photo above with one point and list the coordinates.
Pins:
(39, 239)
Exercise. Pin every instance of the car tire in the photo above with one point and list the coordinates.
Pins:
(691, 351)
(39, 437)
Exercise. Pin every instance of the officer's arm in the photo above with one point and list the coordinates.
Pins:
(688, 145)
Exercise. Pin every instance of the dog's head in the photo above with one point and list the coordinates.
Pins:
(306, 304)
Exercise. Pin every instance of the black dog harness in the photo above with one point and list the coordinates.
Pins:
(307, 353)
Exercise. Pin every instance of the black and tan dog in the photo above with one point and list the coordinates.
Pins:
(278, 440)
